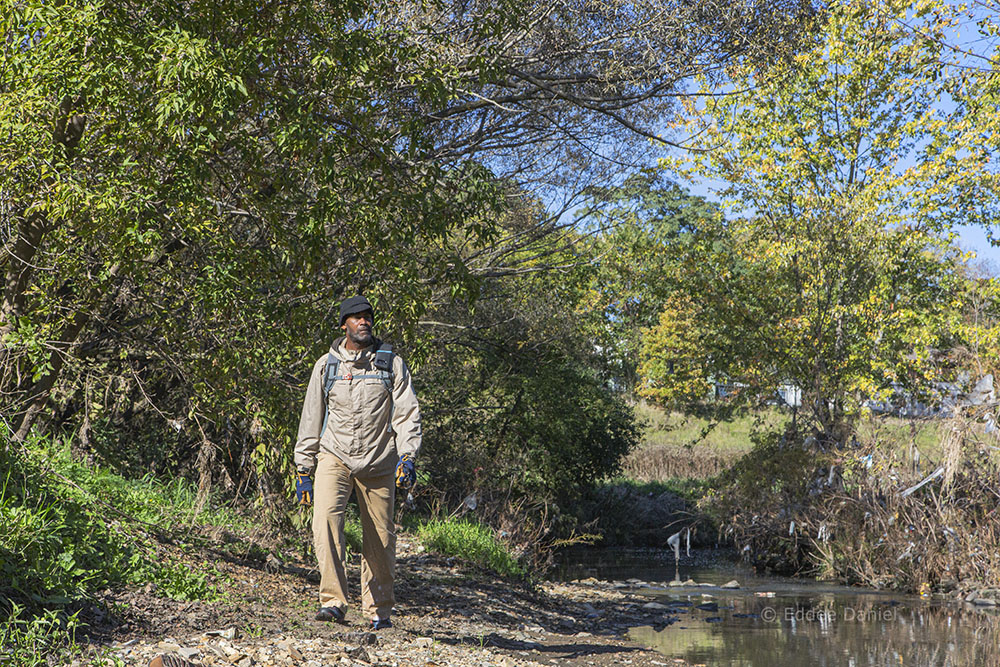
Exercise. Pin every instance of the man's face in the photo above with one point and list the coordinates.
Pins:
(358, 327)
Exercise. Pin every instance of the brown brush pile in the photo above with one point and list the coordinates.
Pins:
(865, 515)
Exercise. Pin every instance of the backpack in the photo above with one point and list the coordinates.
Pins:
(383, 367)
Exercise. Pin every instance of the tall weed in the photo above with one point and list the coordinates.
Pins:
(178, 581)
(27, 640)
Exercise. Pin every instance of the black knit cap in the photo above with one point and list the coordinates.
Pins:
(356, 304)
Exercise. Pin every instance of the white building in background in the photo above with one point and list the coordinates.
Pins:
(945, 399)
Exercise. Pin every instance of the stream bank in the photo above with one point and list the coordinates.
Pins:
(715, 612)
(447, 614)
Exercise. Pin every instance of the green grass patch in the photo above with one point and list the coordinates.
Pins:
(164, 504)
(675, 429)
(70, 530)
(906, 435)
(470, 541)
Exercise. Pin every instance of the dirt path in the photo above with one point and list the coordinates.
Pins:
(447, 614)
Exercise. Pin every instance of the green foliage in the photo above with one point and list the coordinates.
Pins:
(519, 413)
(70, 531)
(352, 528)
(522, 407)
(838, 174)
(189, 189)
(179, 581)
(472, 542)
(775, 467)
(28, 641)
(672, 361)
(56, 546)
(643, 227)
(154, 502)
(192, 202)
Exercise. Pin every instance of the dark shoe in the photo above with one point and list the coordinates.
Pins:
(381, 623)
(327, 614)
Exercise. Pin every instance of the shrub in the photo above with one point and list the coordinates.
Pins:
(55, 546)
(69, 531)
(765, 493)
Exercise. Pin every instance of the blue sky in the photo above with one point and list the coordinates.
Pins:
(974, 239)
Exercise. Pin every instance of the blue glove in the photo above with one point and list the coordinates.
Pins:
(406, 472)
(304, 488)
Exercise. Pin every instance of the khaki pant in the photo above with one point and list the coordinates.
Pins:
(333, 487)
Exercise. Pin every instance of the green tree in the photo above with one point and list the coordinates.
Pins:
(187, 192)
(517, 409)
(841, 178)
(189, 188)
(640, 232)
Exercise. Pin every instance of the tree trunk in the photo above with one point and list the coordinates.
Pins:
(39, 393)
(66, 134)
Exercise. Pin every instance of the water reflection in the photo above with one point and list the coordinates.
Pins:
(777, 621)
(845, 628)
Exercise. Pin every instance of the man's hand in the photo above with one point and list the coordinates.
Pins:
(304, 488)
(406, 472)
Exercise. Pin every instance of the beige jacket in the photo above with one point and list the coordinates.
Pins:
(358, 430)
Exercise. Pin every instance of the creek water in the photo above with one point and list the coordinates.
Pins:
(778, 621)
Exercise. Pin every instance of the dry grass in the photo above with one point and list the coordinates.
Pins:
(678, 446)
(854, 515)
(664, 462)
(843, 514)
(943, 536)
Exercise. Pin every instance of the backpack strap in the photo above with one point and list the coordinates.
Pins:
(383, 365)
(330, 376)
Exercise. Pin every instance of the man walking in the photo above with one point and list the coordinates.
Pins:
(359, 431)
